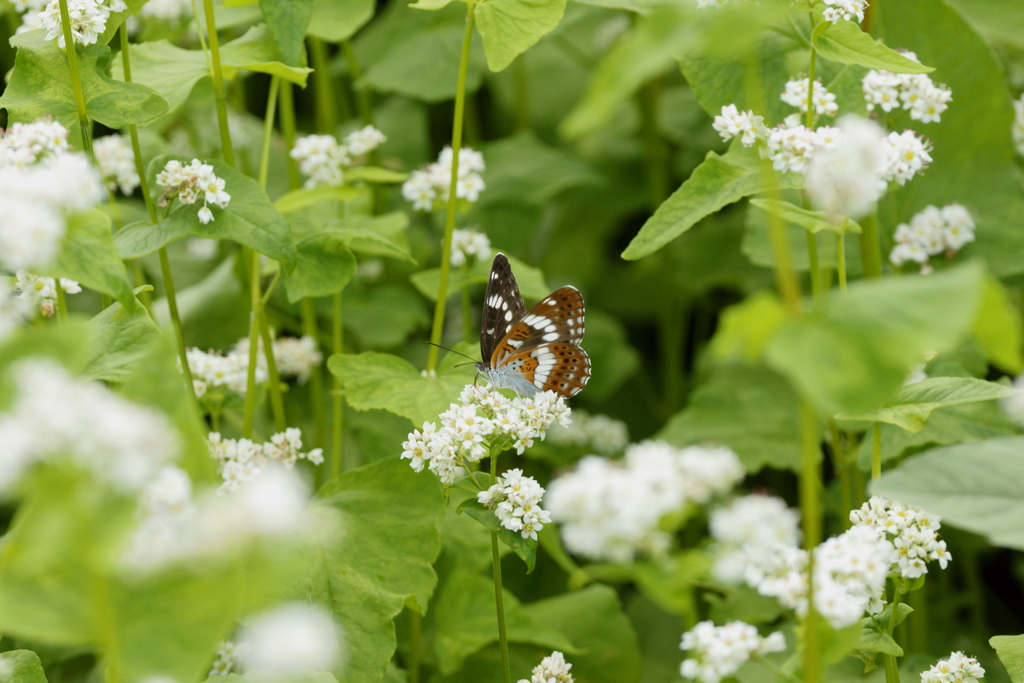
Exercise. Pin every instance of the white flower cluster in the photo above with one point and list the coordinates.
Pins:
(959, 668)
(844, 180)
(289, 641)
(844, 9)
(468, 244)
(598, 433)
(214, 370)
(610, 510)
(39, 180)
(484, 419)
(912, 532)
(932, 231)
(1018, 124)
(552, 669)
(88, 20)
(229, 658)
(175, 528)
(13, 312)
(747, 533)
(41, 291)
(849, 576)
(747, 126)
(240, 461)
(116, 161)
(904, 155)
(718, 652)
(796, 95)
(322, 158)
(166, 10)
(56, 415)
(428, 187)
(515, 500)
(915, 93)
(791, 146)
(295, 356)
(190, 183)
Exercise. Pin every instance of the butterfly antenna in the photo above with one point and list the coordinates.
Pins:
(454, 351)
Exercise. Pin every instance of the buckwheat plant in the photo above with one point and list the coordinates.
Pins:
(428, 188)
(717, 652)
(240, 461)
(41, 291)
(552, 669)
(931, 232)
(324, 160)
(116, 162)
(469, 244)
(515, 499)
(190, 183)
(958, 668)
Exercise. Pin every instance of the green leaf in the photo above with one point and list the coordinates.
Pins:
(249, 219)
(998, 328)
(172, 71)
(746, 327)
(613, 359)
(1011, 653)
(380, 380)
(845, 43)
(717, 182)
(384, 316)
(25, 666)
(911, 406)
(530, 280)
(511, 27)
(382, 236)
(748, 408)
(837, 644)
(88, 255)
(40, 85)
(525, 548)
(671, 582)
(287, 21)
(975, 486)
(302, 198)
(323, 267)
(811, 221)
(592, 618)
(382, 562)
(854, 349)
(465, 621)
(123, 339)
(375, 174)
(337, 21)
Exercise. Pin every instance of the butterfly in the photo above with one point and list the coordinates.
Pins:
(535, 351)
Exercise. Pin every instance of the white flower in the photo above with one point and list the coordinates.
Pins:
(1018, 124)
(911, 531)
(431, 184)
(792, 147)
(291, 640)
(748, 126)
(845, 9)
(116, 161)
(796, 95)
(915, 93)
(229, 657)
(225, 372)
(167, 10)
(88, 19)
(190, 183)
(24, 144)
(905, 155)
(241, 461)
(932, 231)
(364, 140)
(600, 433)
(120, 443)
(321, 158)
(959, 668)
(516, 501)
(552, 669)
(717, 652)
(468, 244)
(747, 533)
(30, 232)
(610, 510)
(13, 312)
(844, 181)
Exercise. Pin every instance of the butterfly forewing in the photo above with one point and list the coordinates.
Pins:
(558, 317)
(503, 307)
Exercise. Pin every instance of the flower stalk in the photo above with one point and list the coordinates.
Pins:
(71, 54)
(499, 602)
(218, 84)
(437, 326)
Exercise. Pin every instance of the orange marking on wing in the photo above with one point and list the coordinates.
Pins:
(571, 371)
(518, 333)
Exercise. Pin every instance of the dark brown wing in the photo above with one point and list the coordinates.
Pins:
(503, 306)
(557, 318)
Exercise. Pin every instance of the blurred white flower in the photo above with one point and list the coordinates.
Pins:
(844, 180)
(364, 140)
(932, 231)
(717, 652)
(41, 291)
(116, 161)
(747, 533)
(291, 640)
(467, 244)
(916, 93)
(428, 187)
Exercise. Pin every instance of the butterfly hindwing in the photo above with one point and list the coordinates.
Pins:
(556, 318)
(503, 306)
(559, 367)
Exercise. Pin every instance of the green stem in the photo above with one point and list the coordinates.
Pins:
(810, 513)
(449, 226)
(520, 82)
(218, 85)
(276, 398)
(326, 104)
(172, 308)
(870, 250)
(139, 277)
(810, 82)
(364, 98)
(467, 310)
(412, 666)
(337, 398)
(812, 257)
(71, 54)
(62, 302)
(316, 377)
(841, 257)
(876, 450)
(268, 131)
(842, 468)
(892, 670)
(253, 259)
(287, 103)
(655, 151)
(499, 601)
